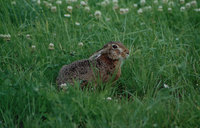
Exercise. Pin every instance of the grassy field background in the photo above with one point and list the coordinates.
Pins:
(160, 82)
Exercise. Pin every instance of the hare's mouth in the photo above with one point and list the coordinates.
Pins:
(123, 57)
(127, 56)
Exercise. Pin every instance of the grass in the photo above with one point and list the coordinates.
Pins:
(165, 49)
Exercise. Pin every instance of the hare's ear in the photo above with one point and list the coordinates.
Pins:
(100, 52)
(96, 54)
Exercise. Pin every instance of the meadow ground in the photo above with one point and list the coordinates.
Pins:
(160, 82)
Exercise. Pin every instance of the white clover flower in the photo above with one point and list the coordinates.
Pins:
(135, 5)
(28, 36)
(53, 9)
(83, 3)
(47, 4)
(171, 3)
(33, 47)
(5, 37)
(182, 1)
(140, 11)
(38, 2)
(107, 1)
(59, 2)
(87, 8)
(123, 10)
(97, 14)
(197, 9)
(165, 1)
(155, 125)
(69, 9)
(67, 15)
(109, 98)
(166, 86)
(126, 10)
(80, 44)
(155, 1)
(169, 9)
(142, 23)
(13, 2)
(147, 8)
(142, 2)
(160, 8)
(77, 24)
(115, 1)
(51, 46)
(177, 39)
(193, 3)
(104, 3)
(188, 5)
(182, 9)
(71, 1)
(115, 6)
(63, 85)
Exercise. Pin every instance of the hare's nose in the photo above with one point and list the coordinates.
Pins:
(127, 54)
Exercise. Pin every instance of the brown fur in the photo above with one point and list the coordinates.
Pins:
(103, 64)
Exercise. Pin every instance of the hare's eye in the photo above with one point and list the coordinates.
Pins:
(114, 46)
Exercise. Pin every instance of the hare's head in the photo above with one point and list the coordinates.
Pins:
(114, 50)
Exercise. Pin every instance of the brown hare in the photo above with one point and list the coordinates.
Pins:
(103, 65)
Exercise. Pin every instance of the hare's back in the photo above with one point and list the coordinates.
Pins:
(78, 70)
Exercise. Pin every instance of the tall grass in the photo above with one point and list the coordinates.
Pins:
(165, 49)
